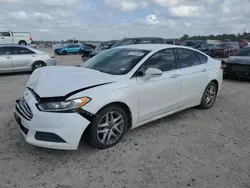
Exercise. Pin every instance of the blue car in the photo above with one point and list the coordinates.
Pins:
(70, 49)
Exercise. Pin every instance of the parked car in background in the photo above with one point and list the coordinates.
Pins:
(209, 48)
(87, 49)
(119, 89)
(102, 46)
(21, 38)
(15, 58)
(70, 49)
(197, 44)
(130, 41)
(225, 49)
(173, 41)
(243, 43)
(238, 65)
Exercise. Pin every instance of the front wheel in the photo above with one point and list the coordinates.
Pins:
(108, 127)
(64, 52)
(209, 96)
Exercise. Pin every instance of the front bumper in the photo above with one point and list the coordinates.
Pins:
(46, 129)
(237, 70)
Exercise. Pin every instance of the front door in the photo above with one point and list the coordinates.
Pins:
(5, 58)
(194, 76)
(158, 96)
(5, 38)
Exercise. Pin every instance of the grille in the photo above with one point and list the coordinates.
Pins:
(23, 109)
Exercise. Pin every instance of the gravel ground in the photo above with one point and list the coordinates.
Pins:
(193, 148)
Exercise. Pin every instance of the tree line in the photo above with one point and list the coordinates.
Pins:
(221, 37)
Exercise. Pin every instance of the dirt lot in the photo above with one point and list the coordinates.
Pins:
(194, 148)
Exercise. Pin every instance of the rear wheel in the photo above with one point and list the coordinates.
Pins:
(209, 96)
(22, 42)
(37, 65)
(108, 127)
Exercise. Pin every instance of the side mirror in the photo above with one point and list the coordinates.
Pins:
(152, 73)
(7, 53)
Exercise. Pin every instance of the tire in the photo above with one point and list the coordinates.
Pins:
(64, 53)
(106, 136)
(209, 96)
(37, 65)
(22, 42)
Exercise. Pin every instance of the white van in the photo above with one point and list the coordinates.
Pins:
(21, 38)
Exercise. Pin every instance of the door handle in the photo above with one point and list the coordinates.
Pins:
(204, 70)
(174, 76)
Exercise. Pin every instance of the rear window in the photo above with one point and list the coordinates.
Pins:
(203, 58)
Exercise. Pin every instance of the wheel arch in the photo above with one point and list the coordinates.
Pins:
(38, 61)
(23, 42)
(122, 105)
(216, 83)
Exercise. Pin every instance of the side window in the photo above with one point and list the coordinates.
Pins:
(144, 41)
(187, 58)
(20, 51)
(163, 60)
(3, 50)
(6, 34)
(158, 41)
(203, 59)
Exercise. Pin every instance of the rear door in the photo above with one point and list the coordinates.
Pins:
(5, 58)
(22, 57)
(194, 75)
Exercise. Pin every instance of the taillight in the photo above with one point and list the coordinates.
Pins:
(221, 67)
(30, 38)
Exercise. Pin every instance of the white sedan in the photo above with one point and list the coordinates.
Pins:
(117, 90)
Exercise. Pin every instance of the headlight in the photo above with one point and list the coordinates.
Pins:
(63, 106)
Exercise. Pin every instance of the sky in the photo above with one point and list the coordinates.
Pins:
(116, 19)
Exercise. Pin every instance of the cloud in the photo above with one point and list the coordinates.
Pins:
(41, 17)
(10, 1)
(115, 19)
(185, 11)
(60, 2)
(126, 5)
(20, 15)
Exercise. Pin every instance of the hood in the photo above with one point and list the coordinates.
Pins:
(61, 80)
(243, 60)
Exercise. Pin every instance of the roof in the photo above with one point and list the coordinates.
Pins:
(153, 47)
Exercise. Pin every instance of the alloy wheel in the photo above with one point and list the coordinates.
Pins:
(210, 95)
(110, 128)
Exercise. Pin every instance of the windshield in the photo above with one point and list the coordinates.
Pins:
(188, 43)
(116, 61)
